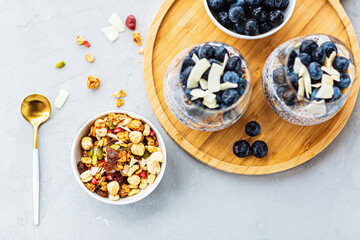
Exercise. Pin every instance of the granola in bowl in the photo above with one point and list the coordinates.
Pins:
(120, 156)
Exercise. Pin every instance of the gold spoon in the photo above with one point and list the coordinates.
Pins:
(36, 109)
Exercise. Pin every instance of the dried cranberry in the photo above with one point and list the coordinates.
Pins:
(143, 174)
(81, 167)
(111, 131)
(109, 177)
(108, 166)
(152, 133)
(94, 181)
(117, 130)
(101, 193)
(130, 22)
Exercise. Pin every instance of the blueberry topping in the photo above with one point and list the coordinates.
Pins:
(242, 86)
(273, 3)
(251, 27)
(231, 76)
(206, 51)
(328, 48)
(294, 79)
(315, 71)
(187, 62)
(223, 19)
(313, 95)
(344, 81)
(292, 57)
(241, 148)
(337, 94)
(252, 128)
(318, 55)
(259, 14)
(276, 18)
(308, 46)
(215, 4)
(341, 64)
(305, 58)
(230, 96)
(234, 64)
(289, 97)
(236, 14)
(259, 149)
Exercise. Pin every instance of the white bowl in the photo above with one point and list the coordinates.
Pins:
(288, 12)
(76, 156)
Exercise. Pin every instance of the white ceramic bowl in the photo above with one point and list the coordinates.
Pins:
(76, 156)
(288, 12)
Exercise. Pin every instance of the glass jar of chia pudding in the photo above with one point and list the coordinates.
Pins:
(207, 86)
(308, 79)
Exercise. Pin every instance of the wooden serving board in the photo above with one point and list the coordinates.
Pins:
(182, 23)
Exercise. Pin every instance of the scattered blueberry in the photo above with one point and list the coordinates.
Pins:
(276, 18)
(251, 27)
(264, 27)
(328, 48)
(337, 94)
(315, 71)
(234, 64)
(273, 3)
(278, 76)
(241, 148)
(215, 4)
(206, 51)
(344, 81)
(223, 19)
(236, 13)
(318, 55)
(259, 149)
(305, 58)
(252, 128)
(231, 76)
(308, 46)
(341, 64)
(260, 14)
(219, 99)
(230, 96)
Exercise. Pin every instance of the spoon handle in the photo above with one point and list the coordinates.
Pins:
(36, 185)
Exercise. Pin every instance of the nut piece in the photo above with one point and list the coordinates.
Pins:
(151, 178)
(134, 180)
(90, 58)
(119, 102)
(138, 149)
(86, 160)
(132, 170)
(113, 187)
(135, 137)
(119, 94)
(101, 132)
(87, 143)
(93, 82)
(114, 197)
(152, 149)
(158, 156)
(134, 191)
(146, 131)
(80, 40)
(99, 123)
(153, 166)
(136, 125)
(86, 176)
(137, 38)
(143, 184)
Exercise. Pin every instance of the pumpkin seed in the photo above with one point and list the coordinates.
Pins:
(146, 154)
(60, 64)
(112, 126)
(94, 160)
(99, 153)
(90, 153)
(115, 146)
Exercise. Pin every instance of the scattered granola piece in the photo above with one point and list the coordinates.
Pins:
(90, 58)
(61, 98)
(93, 82)
(130, 22)
(119, 94)
(137, 38)
(80, 40)
(60, 64)
(119, 102)
(141, 51)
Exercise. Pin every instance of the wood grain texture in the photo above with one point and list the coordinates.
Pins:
(182, 23)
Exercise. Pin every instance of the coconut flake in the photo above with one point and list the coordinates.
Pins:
(116, 22)
(327, 80)
(211, 104)
(301, 89)
(332, 72)
(226, 59)
(195, 58)
(209, 97)
(307, 82)
(61, 98)
(125, 122)
(214, 77)
(132, 162)
(298, 65)
(317, 108)
(126, 169)
(111, 33)
(325, 92)
(203, 84)
(316, 85)
(227, 85)
(196, 73)
(113, 136)
(197, 93)
(94, 170)
(125, 128)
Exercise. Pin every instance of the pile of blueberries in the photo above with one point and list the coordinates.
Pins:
(249, 17)
(313, 57)
(259, 148)
(233, 73)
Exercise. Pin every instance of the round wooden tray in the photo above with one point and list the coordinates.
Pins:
(182, 23)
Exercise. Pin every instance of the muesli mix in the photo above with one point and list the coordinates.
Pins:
(121, 156)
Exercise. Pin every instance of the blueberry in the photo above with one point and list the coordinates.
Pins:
(318, 55)
(273, 3)
(234, 64)
(328, 48)
(341, 64)
(215, 4)
(251, 27)
(337, 94)
(305, 58)
(260, 14)
(252, 128)
(315, 71)
(218, 98)
(187, 62)
(230, 1)
(194, 51)
(278, 76)
(289, 97)
(206, 73)
(185, 74)
(206, 51)
(223, 19)
(281, 90)
(231, 76)
(308, 46)
(292, 57)
(276, 18)
(264, 27)
(241, 148)
(238, 3)
(259, 149)
(284, 4)
(313, 95)
(230, 96)
(294, 80)
(252, 2)
(187, 93)
(198, 102)
(242, 86)
(236, 14)
(344, 81)
(239, 28)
